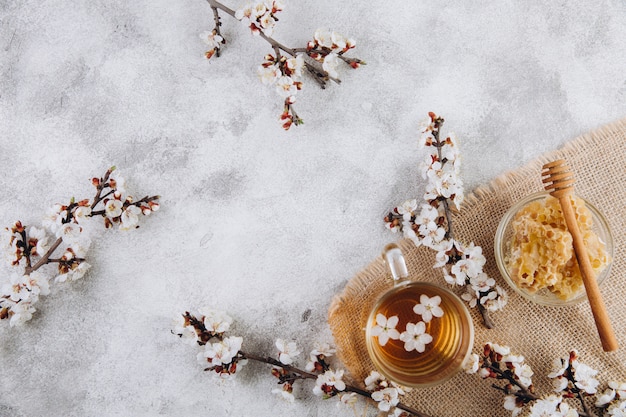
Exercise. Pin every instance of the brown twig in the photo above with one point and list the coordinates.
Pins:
(45, 258)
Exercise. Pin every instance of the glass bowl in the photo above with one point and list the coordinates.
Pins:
(502, 248)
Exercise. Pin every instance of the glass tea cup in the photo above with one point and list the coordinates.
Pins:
(417, 346)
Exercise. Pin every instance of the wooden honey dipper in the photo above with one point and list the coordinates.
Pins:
(559, 181)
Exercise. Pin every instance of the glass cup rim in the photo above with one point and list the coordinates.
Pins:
(600, 222)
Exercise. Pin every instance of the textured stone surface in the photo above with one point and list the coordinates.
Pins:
(263, 223)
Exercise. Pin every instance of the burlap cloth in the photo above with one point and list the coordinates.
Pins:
(540, 333)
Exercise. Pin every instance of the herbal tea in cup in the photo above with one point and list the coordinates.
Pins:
(418, 334)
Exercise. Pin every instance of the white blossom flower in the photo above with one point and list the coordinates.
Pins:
(54, 218)
(267, 23)
(465, 268)
(415, 337)
(482, 282)
(184, 330)
(37, 283)
(619, 387)
(407, 209)
(8, 239)
(212, 39)
(471, 296)
(545, 407)
(386, 398)
(320, 350)
(286, 87)
(330, 64)
(565, 410)
(606, 397)
(222, 352)
(432, 233)
(617, 409)
(269, 73)
(329, 383)
(286, 351)
(385, 329)
(74, 274)
(20, 313)
(428, 307)
(495, 300)
(244, 13)
(428, 214)
(323, 37)
(442, 257)
(70, 232)
(339, 42)
(348, 398)
(373, 380)
(584, 377)
(484, 373)
(510, 403)
(117, 182)
(502, 350)
(472, 364)
(81, 213)
(524, 374)
(215, 321)
(323, 349)
(113, 208)
(284, 394)
(560, 384)
(41, 237)
(16, 289)
(295, 66)
(130, 217)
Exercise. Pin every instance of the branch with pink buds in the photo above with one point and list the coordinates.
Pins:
(284, 69)
(223, 357)
(30, 251)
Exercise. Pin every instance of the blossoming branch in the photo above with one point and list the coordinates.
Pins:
(572, 381)
(321, 57)
(223, 356)
(59, 247)
(430, 223)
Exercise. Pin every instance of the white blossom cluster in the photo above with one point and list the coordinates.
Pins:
(18, 296)
(285, 75)
(414, 336)
(328, 48)
(214, 41)
(571, 379)
(385, 393)
(206, 328)
(428, 223)
(500, 363)
(260, 16)
(613, 399)
(30, 251)
(321, 57)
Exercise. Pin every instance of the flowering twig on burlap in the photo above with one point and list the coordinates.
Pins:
(430, 223)
(58, 249)
(572, 380)
(223, 356)
(321, 57)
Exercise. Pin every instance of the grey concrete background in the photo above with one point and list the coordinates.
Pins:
(265, 224)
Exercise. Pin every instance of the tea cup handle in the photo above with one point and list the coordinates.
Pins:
(392, 254)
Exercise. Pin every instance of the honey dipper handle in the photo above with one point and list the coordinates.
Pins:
(600, 315)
